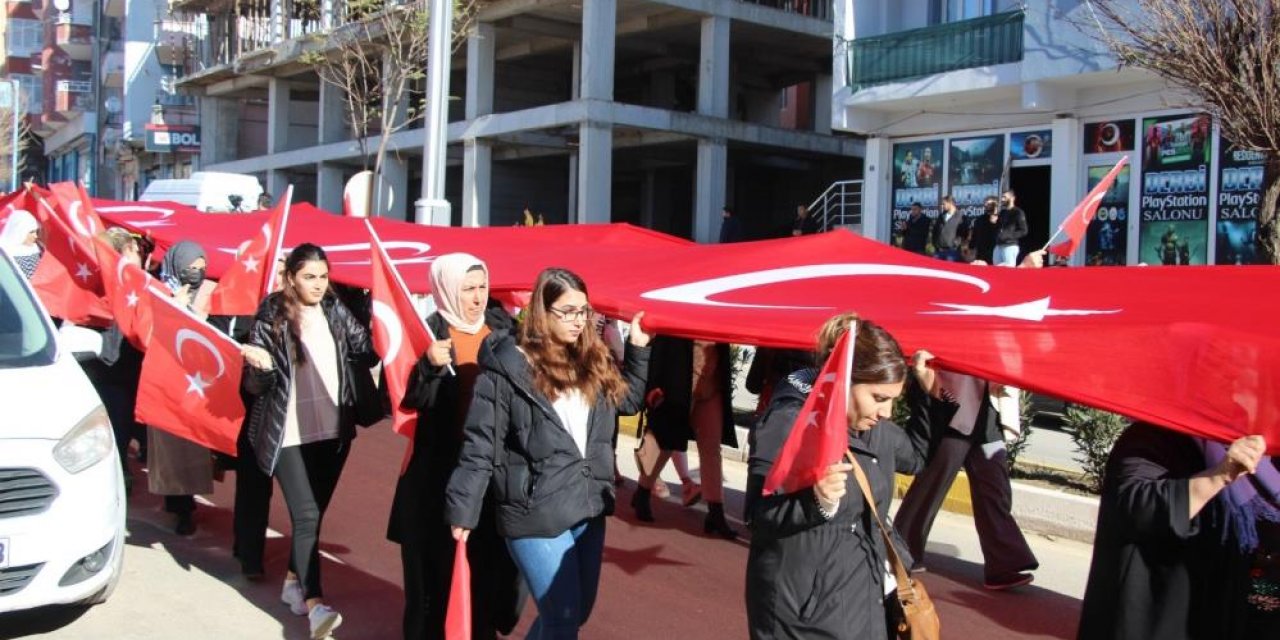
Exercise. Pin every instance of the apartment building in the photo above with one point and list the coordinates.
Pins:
(22, 42)
(656, 112)
(952, 95)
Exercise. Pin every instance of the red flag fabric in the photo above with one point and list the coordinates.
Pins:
(68, 279)
(457, 620)
(819, 436)
(1077, 223)
(126, 287)
(400, 337)
(1191, 348)
(250, 278)
(190, 384)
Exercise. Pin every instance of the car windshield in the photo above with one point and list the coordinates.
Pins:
(25, 338)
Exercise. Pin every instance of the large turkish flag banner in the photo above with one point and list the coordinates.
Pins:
(190, 383)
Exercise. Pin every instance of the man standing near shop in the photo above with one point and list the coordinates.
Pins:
(1012, 229)
(915, 230)
(949, 231)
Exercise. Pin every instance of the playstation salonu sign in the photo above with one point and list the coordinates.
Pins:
(173, 138)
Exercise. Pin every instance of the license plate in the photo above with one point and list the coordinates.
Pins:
(4, 553)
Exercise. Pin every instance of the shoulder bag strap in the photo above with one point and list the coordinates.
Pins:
(906, 590)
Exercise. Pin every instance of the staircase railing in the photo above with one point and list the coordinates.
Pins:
(839, 206)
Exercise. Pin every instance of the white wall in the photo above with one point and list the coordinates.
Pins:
(142, 71)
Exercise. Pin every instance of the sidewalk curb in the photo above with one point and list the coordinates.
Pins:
(1037, 509)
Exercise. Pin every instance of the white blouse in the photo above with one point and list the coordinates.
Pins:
(574, 413)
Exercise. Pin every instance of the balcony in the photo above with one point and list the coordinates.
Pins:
(905, 55)
(113, 69)
(74, 39)
(176, 38)
(820, 9)
(73, 96)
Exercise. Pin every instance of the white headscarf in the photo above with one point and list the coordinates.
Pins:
(20, 224)
(447, 273)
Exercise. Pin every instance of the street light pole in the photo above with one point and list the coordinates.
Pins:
(432, 208)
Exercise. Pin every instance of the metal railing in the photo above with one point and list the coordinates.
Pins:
(966, 44)
(820, 9)
(839, 206)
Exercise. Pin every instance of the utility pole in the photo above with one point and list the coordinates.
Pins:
(432, 208)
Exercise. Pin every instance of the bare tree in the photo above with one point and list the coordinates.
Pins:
(376, 58)
(1223, 52)
(6, 145)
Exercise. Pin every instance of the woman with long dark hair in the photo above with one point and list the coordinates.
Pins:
(540, 431)
(305, 348)
(817, 566)
(440, 389)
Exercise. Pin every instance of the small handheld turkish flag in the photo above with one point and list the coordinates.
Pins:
(190, 384)
(457, 620)
(126, 286)
(1077, 223)
(68, 279)
(252, 276)
(398, 344)
(819, 436)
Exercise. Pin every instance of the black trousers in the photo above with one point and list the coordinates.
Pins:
(253, 505)
(308, 474)
(1004, 549)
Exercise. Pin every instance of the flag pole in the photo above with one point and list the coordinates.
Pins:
(269, 284)
(404, 290)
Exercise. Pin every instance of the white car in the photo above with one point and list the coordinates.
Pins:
(62, 500)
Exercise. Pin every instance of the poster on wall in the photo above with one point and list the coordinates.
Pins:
(1111, 136)
(1174, 214)
(1107, 240)
(917, 177)
(1239, 194)
(1031, 145)
(974, 171)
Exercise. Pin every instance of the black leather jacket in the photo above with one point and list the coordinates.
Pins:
(267, 418)
(542, 484)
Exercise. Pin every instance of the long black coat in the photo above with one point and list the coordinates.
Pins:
(808, 577)
(671, 369)
(1156, 572)
(271, 388)
(542, 484)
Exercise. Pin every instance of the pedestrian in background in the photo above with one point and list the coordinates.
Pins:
(949, 232)
(539, 431)
(305, 348)
(20, 238)
(1011, 229)
(916, 230)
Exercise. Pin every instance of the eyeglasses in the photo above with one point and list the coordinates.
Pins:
(572, 315)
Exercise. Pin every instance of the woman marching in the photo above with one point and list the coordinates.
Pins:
(817, 566)
(305, 347)
(540, 428)
(466, 319)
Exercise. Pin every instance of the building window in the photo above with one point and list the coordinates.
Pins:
(965, 9)
(32, 92)
(26, 37)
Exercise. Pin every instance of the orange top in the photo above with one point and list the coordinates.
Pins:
(466, 350)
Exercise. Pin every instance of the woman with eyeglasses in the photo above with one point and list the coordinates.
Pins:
(539, 432)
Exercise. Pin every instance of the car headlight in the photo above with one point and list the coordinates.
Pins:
(86, 443)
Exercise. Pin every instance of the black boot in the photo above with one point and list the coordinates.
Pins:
(640, 502)
(715, 524)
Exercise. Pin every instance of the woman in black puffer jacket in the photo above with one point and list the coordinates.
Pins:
(540, 431)
(304, 349)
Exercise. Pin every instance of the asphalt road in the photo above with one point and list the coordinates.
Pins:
(660, 580)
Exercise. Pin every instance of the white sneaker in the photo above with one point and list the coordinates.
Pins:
(323, 621)
(291, 594)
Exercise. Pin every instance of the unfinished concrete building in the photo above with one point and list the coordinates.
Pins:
(654, 112)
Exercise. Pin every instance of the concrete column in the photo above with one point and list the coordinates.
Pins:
(480, 70)
(329, 185)
(333, 125)
(219, 130)
(277, 182)
(326, 14)
(1066, 182)
(713, 67)
(575, 91)
(713, 162)
(394, 194)
(877, 189)
(572, 214)
(822, 98)
(599, 26)
(575, 87)
(477, 182)
(277, 116)
(595, 171)
(279, 20)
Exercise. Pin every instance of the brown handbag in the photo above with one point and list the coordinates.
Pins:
(919, 619)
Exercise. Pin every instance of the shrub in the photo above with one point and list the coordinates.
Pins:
(1094, 433)
(1019, 444)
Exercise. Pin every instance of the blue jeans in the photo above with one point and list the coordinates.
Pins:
(950, 255)
(1006, 255)
(563, 574)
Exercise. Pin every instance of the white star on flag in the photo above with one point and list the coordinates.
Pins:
(250, 264)
(83, 272)
(197, 383)
(131, 299)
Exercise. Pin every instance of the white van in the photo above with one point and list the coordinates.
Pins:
(62, 499)
(207, 191)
